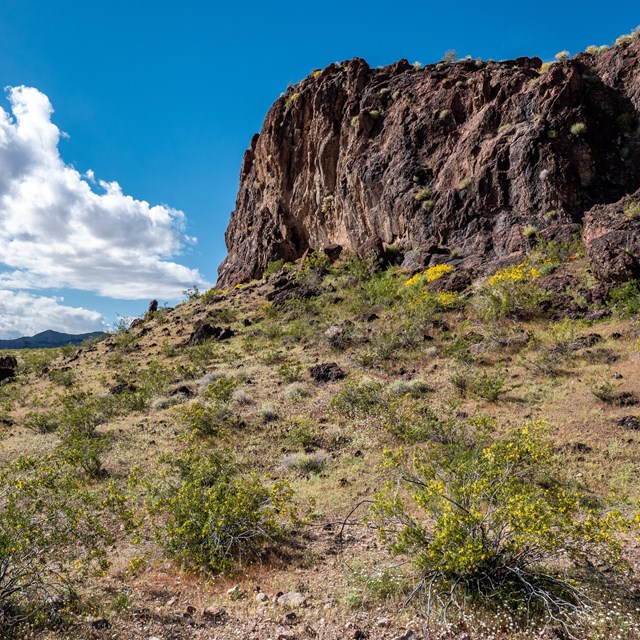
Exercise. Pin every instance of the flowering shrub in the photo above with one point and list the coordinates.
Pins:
(52, 532)
(510, 292)
(490, 519)
(431, 274)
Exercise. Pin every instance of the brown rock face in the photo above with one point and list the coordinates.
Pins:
(452, 156)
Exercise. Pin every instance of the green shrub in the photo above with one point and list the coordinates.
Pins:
(578, 128)
(213, 514)
(411, 421)
(625, 298)
(52, 533)
(205, 420)
(41, 421)
(487, 386)
(301, 433)
(358, 398)
(490, 521)
(273, 267)
(631, 209)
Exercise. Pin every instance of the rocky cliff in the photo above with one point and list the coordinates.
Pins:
(455, 161)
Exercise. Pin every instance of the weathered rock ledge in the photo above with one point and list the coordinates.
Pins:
(454, 159)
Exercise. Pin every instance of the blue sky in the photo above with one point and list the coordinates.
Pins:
(163, 98)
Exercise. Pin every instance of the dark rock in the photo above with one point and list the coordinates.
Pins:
(332, 251)
(203, 331)
(612, 241)
(630, 422)
(100, 624)
(327, 372)
(122, 387)
(597, 314)
(8, 367)
(584, 342)
(182, 390)
(458, 156)
(579, 447)
(215, 614)
(416, 260)
(456, 281)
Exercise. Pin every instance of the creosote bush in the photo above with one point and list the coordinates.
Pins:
(53, 532)
(490, 520)
(213, 514)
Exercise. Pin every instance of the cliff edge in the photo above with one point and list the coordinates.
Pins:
(452, 161)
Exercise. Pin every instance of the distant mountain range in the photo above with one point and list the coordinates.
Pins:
(48, 339)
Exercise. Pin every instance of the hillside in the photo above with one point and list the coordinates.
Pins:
(414, 358)
(436, 435)
(47, 339)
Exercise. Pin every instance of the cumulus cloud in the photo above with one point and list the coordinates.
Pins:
(23, 314)
(56, 231)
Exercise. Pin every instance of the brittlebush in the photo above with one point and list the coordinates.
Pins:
(486, 517)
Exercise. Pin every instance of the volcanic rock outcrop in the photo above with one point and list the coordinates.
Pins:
(450, 160)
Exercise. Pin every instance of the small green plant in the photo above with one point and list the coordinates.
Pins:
(631, 209)
(578, 128)
(358, 397)
(625, 298)
(290, 372)
(605, 391)
(214, 514)
(464, 183)
(423, 194)
(273, 267)
(562, 55)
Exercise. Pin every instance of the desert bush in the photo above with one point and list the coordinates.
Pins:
(414, 388)
(358, 397)
(52, 533)
(625, 298)
(41, 421)
(490, 520)
(215, 515)
(412, 421)
(511, 292)
(122, 339)
(306, 463)
(64, 377)
(297, 391)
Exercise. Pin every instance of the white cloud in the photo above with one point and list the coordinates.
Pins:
(23, 314)
(56, 232)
